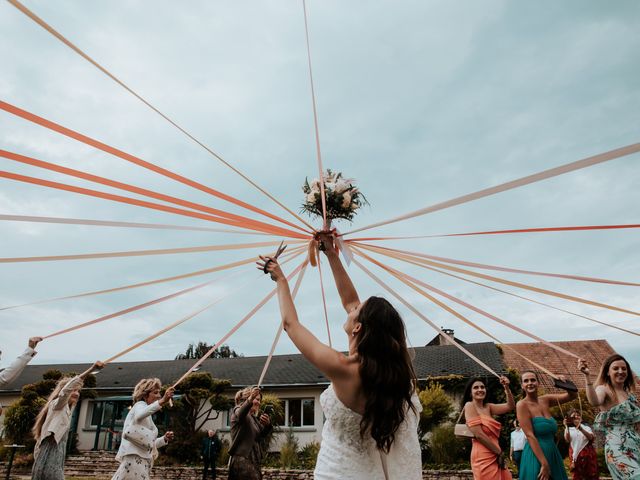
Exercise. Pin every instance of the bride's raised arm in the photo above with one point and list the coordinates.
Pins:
(346, 289)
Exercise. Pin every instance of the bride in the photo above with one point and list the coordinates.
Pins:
(371, 407)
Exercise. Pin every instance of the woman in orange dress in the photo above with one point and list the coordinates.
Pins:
(487, 459)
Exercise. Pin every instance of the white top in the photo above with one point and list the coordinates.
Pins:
(140, 413)
(344, 455)
(518, 440)
(9, 374)
(58, 419)
(578, 439)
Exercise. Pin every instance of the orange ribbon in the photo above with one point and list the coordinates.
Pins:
(232, 219)
(520, 182)
(138, 161)
(132, 201)
(236, 327)
(417, 258)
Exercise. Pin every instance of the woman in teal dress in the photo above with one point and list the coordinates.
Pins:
(619, 417)
(541, 459)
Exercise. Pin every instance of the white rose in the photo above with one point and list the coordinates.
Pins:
(311, 198)
(346, 200)
(341, 186)
(315, 185)
(330, 186)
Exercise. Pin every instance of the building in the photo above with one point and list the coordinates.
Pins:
(291, 377)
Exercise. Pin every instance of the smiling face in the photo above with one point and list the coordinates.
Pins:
(478, 391)
(529, 382)
(576, 418)
(152, 396)
(73, 398)
(256, 405)
(618, 372)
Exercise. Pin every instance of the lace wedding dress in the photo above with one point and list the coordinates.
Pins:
(345, 455)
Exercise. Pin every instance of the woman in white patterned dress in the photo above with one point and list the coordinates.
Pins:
(371, 408)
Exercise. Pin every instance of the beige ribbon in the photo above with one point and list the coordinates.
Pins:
(139, 253)
(417, 258)
(520, 182)
(73, 47)
(281, 326)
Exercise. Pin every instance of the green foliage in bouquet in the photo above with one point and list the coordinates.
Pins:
(343, 198)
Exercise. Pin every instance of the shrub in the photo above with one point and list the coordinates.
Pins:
(445, 447)
(289, 450)
(436, 407)
(309, 455)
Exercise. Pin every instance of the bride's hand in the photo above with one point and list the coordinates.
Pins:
(327, 239)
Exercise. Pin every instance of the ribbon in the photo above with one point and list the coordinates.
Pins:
(236, 327)
(139, 253)
(315, 123)
(520, 182)
(427, 320)
(526, 272)
(281, 326)
(60, 37)
(109, 223)
(238, 220)
(527, 299)
(149, 282)
(324, 302)
(181, 321)
(403, 276)
(417, 258)
(132, 201)
(497, 232)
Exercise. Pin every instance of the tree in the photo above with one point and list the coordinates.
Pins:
(436, 407)
(201, 400)
(196, 351)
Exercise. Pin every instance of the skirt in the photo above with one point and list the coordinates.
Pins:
(49, 461)
(133, 467)
(241, 468)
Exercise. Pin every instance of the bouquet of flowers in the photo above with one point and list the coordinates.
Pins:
(342, 197)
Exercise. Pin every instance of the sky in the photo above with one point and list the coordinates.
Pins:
(419, 101)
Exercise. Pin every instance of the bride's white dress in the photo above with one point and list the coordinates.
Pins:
(345, 455)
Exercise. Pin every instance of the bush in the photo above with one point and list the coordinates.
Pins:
(223, 456)
(289, 450)
(436, 407)
(309, 455)
(446, 448)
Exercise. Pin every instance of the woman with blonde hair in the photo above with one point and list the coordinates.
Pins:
(140, 441)
(52, 426)
(619, 417)
(247, 431)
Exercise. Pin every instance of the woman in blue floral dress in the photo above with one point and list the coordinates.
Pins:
(619, 418)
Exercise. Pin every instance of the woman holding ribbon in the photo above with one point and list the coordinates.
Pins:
(371, 407)
(541, 459)
(52, 425)
(487, 458)
(619, 418)
(140, 441)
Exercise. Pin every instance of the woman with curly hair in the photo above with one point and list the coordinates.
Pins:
(371, 407)
(140, 441)
(52, 426)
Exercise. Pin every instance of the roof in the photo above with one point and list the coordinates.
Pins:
(593, 351)
(284, 371)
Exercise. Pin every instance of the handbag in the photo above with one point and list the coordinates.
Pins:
(461, 429)
(140, 436)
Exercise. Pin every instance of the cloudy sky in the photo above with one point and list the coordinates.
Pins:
(420, 101)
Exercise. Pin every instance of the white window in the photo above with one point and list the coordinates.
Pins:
(299, 412)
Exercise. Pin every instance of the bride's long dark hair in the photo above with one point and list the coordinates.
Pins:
(386, 371)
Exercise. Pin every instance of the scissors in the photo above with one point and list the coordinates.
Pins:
(281, 249)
